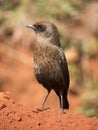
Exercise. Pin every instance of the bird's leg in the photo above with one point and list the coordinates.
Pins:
(45, 98)
(42, 105)
(62, 110)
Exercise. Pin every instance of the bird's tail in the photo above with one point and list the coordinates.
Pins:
(65, 100)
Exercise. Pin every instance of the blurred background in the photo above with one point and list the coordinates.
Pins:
(77, 22)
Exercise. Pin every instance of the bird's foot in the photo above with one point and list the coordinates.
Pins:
(63, 112)
(43, 108)
(39, 109)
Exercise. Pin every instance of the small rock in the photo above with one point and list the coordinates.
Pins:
(6, 95)
(2, 105)
(39, 123)
(15, 117)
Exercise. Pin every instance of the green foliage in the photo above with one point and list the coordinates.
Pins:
(60, 10)
(9, 4)
(2, 19)
(89, 101)
(89, 47)
(64, 38)
(75, 72)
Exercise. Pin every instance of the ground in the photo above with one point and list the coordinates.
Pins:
(19, 117)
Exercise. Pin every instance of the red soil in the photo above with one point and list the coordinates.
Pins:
(19, 117)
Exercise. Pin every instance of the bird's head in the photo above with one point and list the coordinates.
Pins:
(46, 31)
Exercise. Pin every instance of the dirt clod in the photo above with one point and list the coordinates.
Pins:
(17, 116)
(2, 105)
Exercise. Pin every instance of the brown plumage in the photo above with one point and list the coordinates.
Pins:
(50, 65)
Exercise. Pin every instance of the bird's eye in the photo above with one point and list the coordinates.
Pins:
(41, 28)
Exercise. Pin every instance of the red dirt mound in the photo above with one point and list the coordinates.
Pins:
(19, 117)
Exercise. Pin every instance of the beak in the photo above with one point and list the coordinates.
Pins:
(31, 26)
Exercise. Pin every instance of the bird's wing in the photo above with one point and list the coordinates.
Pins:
(64, 67)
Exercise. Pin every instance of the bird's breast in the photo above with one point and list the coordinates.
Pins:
(46, 68)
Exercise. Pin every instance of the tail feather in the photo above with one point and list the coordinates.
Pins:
(65, 100)
(65, 103)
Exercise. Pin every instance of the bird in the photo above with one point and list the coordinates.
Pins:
(50, 64)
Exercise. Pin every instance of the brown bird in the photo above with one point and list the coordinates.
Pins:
(50, 65)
